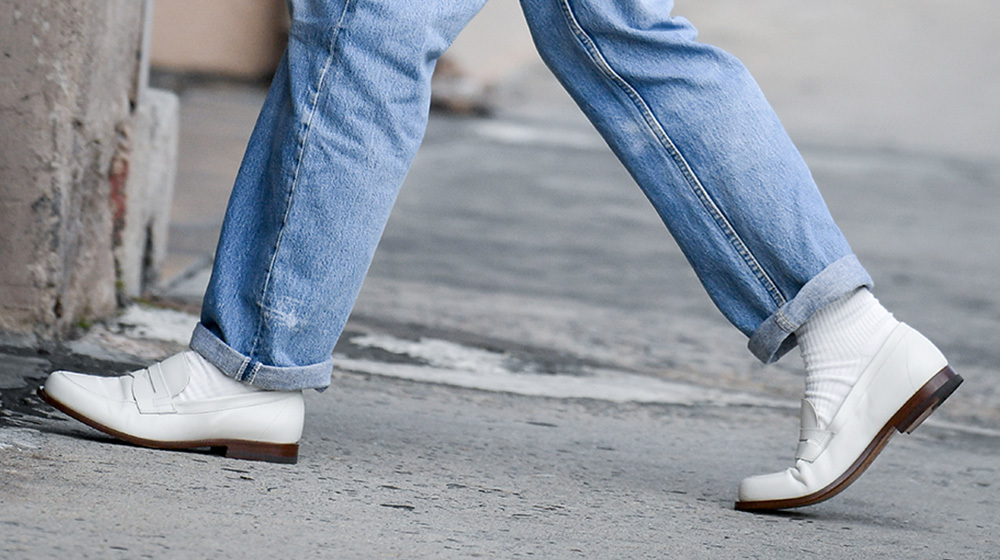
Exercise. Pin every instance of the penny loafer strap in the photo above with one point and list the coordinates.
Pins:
(812, 442)
(155, 387)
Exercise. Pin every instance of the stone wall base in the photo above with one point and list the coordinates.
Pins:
(86, 156)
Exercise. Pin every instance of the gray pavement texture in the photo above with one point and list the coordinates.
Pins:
(521, 238)
(400, 469)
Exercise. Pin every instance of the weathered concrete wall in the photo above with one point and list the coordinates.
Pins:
(141, 242)
(71, 83)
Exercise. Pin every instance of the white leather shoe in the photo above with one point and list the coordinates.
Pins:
(905, 381)
(146, 407)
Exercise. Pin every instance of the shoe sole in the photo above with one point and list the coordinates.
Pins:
(907, 418)
(287, 453)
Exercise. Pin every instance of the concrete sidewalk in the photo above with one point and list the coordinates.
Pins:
(392, 467)
(539, 373)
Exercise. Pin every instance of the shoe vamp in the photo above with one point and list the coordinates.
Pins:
(236, 417)
(116, 389)
(259, 401)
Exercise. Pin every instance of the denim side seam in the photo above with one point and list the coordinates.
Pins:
(253, 372)
(776, 335)
(251, 376)
(660, 135)
(243, 367)
(299, 152)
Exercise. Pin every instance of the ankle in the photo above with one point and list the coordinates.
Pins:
(835, 344)
(207, 381)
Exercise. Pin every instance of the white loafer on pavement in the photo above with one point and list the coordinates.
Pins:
(149, 407)
(906, 379)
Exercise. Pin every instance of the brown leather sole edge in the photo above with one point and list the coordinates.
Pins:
(907, 418)
(287, 453)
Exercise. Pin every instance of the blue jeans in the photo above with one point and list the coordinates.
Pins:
(347, 110)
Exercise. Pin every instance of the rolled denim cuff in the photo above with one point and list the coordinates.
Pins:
(246, 369)
(776, 335)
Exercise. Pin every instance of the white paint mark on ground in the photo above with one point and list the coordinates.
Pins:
(525, 135)
(158, 324)
(453, 364)
(458, 365)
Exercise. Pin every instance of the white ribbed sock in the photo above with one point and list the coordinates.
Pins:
(836, 344)
(208, 382)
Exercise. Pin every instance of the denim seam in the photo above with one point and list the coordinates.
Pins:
(243, 367)
(253, 372)
(658, 132)
(246, 370)
(784, 322)
(775, 335)
(300, 151)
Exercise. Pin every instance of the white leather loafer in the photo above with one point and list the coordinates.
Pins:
(144, 408)
(906, 379)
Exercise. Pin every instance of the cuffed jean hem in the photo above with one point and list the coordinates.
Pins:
(776, 335)
(250, 371)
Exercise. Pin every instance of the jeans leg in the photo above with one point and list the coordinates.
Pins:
(342, 121)
(696, 133)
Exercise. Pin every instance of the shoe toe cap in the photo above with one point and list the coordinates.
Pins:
(93, 396)
(782, 485)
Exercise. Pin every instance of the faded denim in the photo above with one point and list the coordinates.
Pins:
(347, 110)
